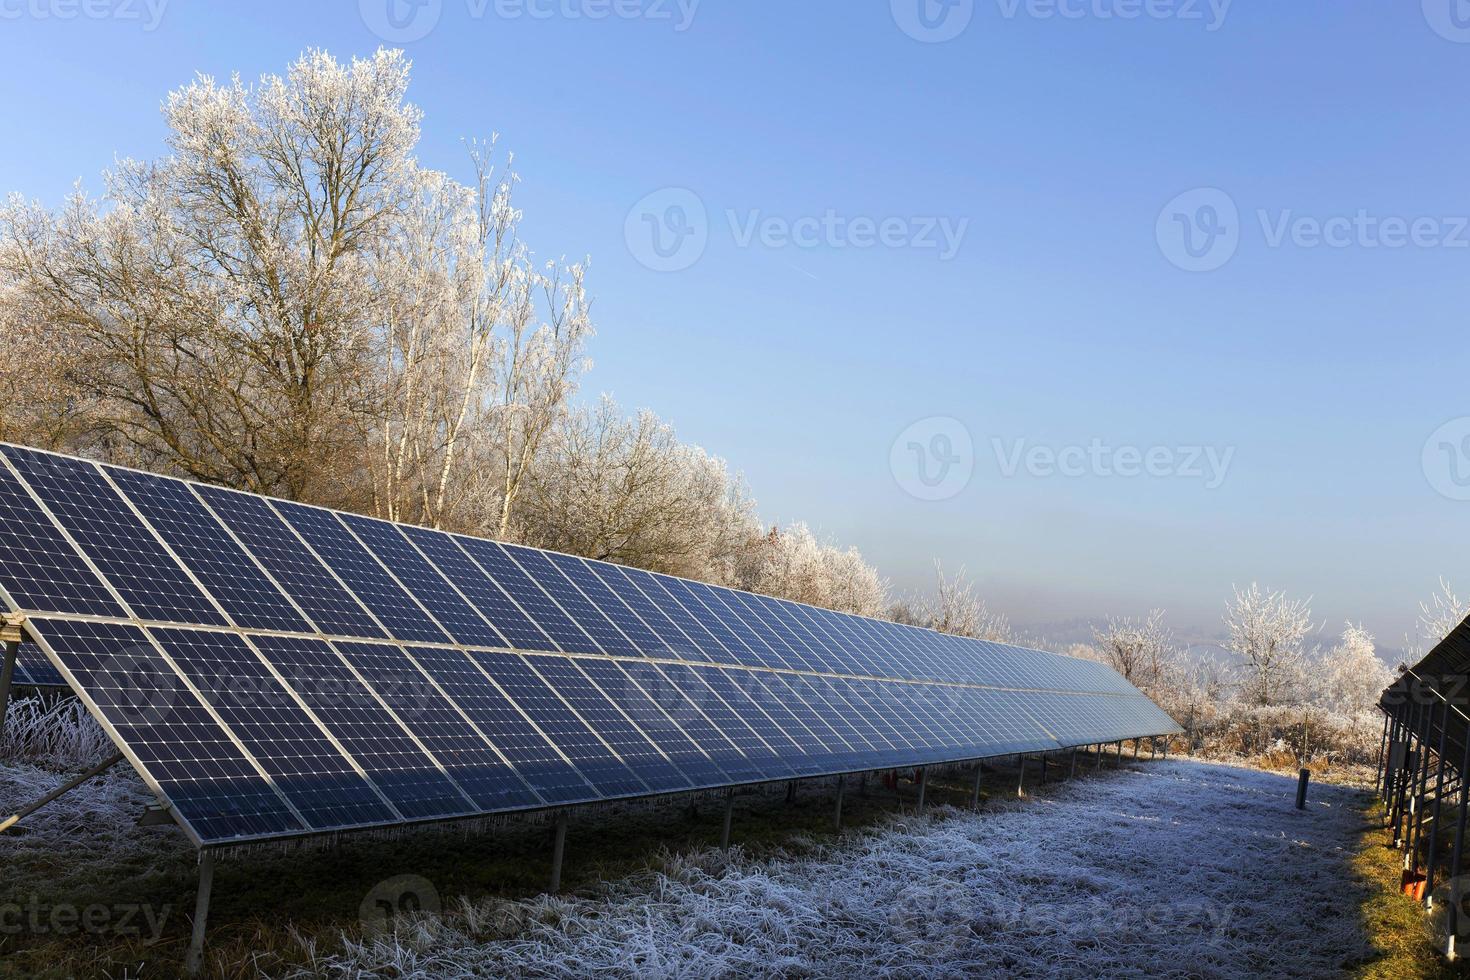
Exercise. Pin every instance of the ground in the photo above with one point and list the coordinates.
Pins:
(1168, 869)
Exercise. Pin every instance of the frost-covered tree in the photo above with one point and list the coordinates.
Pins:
(792, 563)
(1439, 615)
(288, 303)
(1267, 632)
(626, 490)
(1142, 651)
(955, 607)
(1348, 678)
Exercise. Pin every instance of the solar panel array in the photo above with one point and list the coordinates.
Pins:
(274, 669)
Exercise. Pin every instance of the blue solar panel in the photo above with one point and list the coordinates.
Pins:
(727, 718)
(725, 645)
(301, 761)
(330, 606)
(441, 726)
(657, 592)
(566, 594)
(39, 569)
(530, 597)
(176, 743)
(310, 685)
(472, 582)
(422, 579)
(206, 549)
(670, 642)
(589, 753)
(784, 653)
(545, 769)
(642, 639)
(413, 781)
(119, 544)
(362, 573)
(599, 712)
(33, 669)
(675, 741)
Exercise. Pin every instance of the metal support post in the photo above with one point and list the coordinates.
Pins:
(1430, 859)
(1072, 766)
(791, 791)
(923, 785)
(975, 801)
(1135, 749)
(7, 674)
(1021, 778)
(558, 851)
(1452, 907)
(1097, 763)
(837, 817)
(729, 812)
(1421, 791)
(194, 961)
(1379, 768)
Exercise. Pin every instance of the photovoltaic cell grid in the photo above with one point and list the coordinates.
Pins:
(274, 669)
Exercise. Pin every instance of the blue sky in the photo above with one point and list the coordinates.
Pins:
(1219, 249)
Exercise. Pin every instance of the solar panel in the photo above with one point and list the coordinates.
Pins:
(274, 670)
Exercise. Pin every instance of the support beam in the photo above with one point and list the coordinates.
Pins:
(558, 851)
(791, 791)
(1043, 768)
(1166, 748)
(1430, 859)
(194, 961)
(837, 817)
(1072, 766)
(59, 791)
(1021, 778)
(1421, 791)
(1135, 749)
(1097, 763)
(1118, 762)
(979, 771)
(7, 674)
(1379, 768)
(1463, 810)
(923, 785)
(729, 813)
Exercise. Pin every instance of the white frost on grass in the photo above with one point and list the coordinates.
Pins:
(1176, 869)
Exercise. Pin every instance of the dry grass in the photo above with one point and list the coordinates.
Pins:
(1396, 925)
